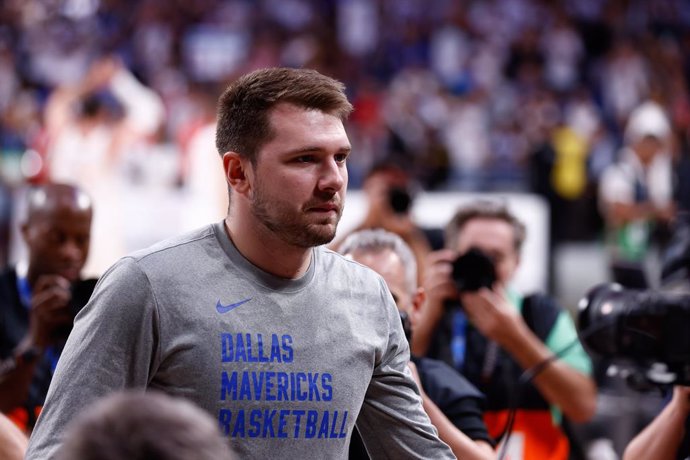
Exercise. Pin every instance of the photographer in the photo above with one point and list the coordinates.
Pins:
(496, 334)
(389, 197)
(668, 436)
(636, 195)
(38, 300)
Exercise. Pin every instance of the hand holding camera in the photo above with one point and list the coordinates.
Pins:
(50, 309)
(471, 280)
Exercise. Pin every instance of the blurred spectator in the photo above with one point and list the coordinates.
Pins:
(201, 172)
(625, 80)
(636, 194)
(563, 52)
(39, 299)
(390, 195)
(452, 403)
(139, 425)
(5, 222)
(468, 61)
(93, 129)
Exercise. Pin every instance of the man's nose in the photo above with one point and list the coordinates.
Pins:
(72, 249)
(333, 176)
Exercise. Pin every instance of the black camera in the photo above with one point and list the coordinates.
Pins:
(649, 328)
(80, 293)
(473, 270)
(400, 199)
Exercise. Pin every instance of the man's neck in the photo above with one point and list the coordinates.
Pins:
(266, 250)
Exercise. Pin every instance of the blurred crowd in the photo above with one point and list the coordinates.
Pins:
(502, 95)
(486, 95)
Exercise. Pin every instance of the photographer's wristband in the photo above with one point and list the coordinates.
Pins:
(28, 356)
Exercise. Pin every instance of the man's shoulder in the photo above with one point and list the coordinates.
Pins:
(168, 258)
(171, 247)
(333, 258)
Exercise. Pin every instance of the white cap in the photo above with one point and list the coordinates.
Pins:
(648, 119)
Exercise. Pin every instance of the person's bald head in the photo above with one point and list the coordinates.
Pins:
(57, 230)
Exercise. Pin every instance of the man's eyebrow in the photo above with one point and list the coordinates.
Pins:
(315, 149)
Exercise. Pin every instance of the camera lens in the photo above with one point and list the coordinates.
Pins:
(399, 199)
(473, 270)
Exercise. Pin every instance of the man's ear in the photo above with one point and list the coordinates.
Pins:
(238, 171)
(418, 299)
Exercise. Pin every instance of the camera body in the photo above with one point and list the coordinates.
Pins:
(80, 294)
(400, 199)
(649, 328)
(473, 270)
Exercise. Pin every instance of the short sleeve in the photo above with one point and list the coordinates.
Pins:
(563, 334)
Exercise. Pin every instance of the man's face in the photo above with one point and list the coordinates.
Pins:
(647, 148)
(387, 264)
(58, 241)
(494, 237)
(300, 176)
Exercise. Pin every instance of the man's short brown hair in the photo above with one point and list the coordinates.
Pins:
(484, 209)
(243, 109)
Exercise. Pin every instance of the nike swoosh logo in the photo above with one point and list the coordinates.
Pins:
(226, 308)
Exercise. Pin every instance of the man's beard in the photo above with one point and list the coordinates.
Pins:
(292, 227)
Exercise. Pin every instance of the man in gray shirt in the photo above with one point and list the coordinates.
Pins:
(284, 342)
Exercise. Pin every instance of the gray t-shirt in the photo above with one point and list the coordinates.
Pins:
(285, 366)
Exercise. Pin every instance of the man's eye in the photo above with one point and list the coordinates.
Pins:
(305, 159)
(341, 157)
(54, 237)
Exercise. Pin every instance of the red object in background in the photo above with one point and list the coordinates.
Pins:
(38, 147)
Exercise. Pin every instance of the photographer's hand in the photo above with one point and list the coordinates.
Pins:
(439, 287)
(493, 315)
(49, 309)
(661, 439)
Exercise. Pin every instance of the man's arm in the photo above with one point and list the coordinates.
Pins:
(571, 390)
(661, 439)
(619, 213)
(392, 422)
(113, 346)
